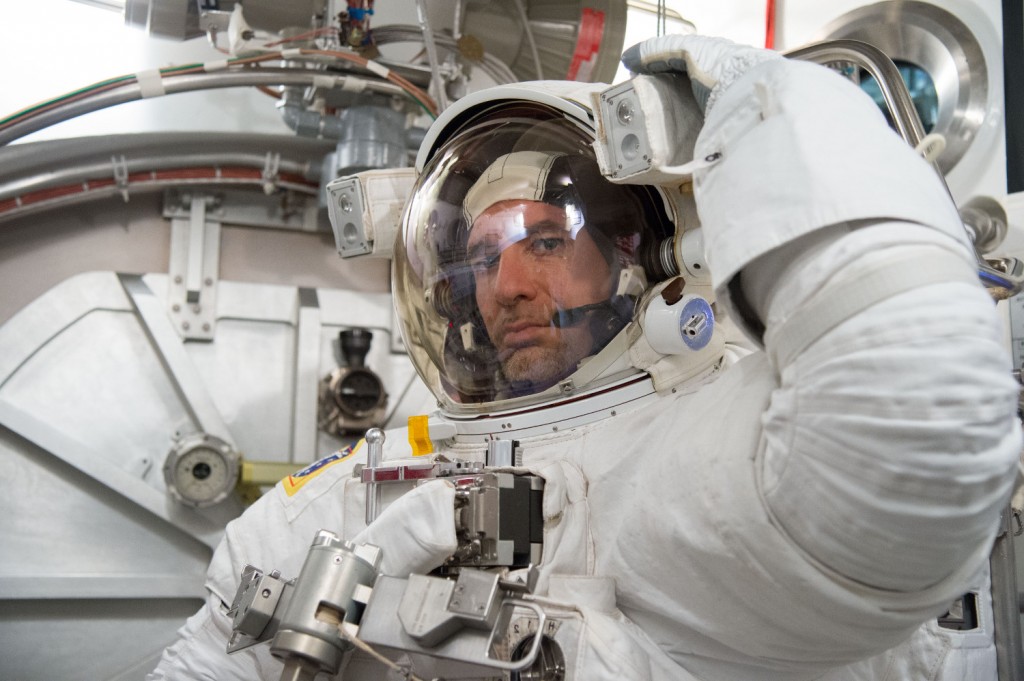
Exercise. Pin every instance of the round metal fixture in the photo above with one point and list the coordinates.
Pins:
(550, 662)
(201, 470)
(940, 58)
(352, 397)
(358, 392)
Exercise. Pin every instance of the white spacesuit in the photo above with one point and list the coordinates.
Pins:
(714, 513)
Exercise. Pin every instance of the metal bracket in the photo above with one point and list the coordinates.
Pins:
(271, 172)
(245, 208)
(193, 269)
(120, 164)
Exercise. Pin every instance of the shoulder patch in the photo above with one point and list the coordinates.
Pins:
(293, 483)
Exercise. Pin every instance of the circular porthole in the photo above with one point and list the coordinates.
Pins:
(940, 59)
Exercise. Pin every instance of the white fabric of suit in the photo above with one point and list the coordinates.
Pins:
(796, 517)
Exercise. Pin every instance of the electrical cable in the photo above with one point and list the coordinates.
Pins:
(315, 33)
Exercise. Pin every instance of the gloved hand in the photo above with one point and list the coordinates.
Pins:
(416, 532)
(712, 64)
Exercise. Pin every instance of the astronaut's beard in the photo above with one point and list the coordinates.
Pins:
(532, 368)
(536, 368)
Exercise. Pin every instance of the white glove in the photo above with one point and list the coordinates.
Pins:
(416, 532)
(712, 64)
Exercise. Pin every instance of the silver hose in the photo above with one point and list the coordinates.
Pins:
(184, 83)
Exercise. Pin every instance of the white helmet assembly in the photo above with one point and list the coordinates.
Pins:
(522, 275)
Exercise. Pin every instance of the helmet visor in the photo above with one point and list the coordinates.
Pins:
(517, 260)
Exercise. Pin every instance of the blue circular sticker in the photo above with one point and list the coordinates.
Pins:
(696, 323)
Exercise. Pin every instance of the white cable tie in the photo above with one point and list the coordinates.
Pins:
(325, 82)
(350, 84)
(377, 69)
(931, 146)
(151, 83)
(270, 173)
(218, 65)
(291, 52)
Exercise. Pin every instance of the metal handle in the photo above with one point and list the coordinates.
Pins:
(1002, 283)
(531, 654)
(374, 455)
(882, 69)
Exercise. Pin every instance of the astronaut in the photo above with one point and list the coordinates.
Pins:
(799, 512)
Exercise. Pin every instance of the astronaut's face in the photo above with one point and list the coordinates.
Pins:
(529, 261)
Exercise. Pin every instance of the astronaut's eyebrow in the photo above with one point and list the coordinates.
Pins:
(546, 224)
(488, 242)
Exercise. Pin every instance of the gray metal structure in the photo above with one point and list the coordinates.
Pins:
(142, 314)
(171, 298)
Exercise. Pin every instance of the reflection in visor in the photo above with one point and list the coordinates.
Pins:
(504, 224)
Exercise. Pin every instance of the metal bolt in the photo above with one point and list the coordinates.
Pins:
(185, 326)
(177, 279)
(265, 593)
(208, 281)
(206, 327)
(337, 559)
(176, 307)
(624, 112)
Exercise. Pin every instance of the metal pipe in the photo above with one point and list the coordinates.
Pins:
(183, 83)
(62, 202)
(306, 122)
(877, 63)
(435, 66)
(66, 176)
(374, 456)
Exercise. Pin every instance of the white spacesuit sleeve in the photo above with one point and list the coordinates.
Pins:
(889, 445)
(200, 653)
